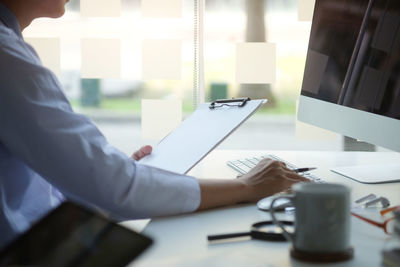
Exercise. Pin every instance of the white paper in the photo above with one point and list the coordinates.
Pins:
(49, 52)
(306, 10)
(316, 65)
(101, 58)
(162, 59)
(100, 8)
(164, 8)
(160, 117)
(256, 63)
(197, 136)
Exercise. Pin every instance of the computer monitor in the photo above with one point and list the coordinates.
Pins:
(351, 81)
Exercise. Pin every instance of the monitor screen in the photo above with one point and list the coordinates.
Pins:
(351, 81)
(354, 55)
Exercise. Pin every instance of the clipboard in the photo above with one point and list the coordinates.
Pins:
(200, 133)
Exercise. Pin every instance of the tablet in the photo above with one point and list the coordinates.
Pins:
(72, 235)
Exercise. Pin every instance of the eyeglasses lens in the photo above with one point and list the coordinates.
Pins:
(393, 227)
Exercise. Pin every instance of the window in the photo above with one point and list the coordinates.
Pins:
(112, 54)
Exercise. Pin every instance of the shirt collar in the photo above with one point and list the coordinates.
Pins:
(9, 19)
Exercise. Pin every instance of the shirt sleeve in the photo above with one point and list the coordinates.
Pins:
(65, 148)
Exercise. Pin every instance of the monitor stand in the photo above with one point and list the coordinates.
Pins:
(371, 173)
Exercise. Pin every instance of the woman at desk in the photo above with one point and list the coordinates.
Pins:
(48, 153)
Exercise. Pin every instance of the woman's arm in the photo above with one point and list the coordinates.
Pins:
(267, 178)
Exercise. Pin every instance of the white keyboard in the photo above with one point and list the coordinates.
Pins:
(243, 166)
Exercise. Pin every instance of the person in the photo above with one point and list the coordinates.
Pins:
(49, 153)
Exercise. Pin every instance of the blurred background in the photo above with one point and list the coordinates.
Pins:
(109, 59)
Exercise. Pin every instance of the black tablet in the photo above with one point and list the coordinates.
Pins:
(72, 235)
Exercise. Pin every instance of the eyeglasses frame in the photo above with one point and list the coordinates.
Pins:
(378, 224)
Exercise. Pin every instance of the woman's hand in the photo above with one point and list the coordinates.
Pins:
(265, 179)
(268, 178)
(142, 152)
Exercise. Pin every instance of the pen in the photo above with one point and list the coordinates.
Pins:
(304, 169)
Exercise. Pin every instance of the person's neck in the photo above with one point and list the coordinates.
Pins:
(20, 11)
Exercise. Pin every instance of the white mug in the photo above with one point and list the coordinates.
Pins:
(322, 218)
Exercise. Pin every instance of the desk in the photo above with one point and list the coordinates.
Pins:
(181, 240)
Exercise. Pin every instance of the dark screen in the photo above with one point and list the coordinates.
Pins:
(354, 55)
(74, 236)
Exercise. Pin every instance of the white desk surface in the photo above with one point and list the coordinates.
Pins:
(181, 240)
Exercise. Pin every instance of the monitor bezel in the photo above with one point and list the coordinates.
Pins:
(362, 125)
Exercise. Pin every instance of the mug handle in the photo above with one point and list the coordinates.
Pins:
(286, 234)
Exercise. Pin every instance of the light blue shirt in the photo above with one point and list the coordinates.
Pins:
(49, 153)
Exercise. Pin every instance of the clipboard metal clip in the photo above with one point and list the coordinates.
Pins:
(234, 102)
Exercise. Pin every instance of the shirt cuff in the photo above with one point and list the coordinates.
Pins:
(159, 192)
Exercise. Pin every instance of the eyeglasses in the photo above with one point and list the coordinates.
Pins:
(385, 211)
(387, 225)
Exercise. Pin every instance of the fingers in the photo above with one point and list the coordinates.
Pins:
(273, 169)
(138, 155)
(268, 163)
(146, 150)
(278, 168)
(281, 166)
(142, 152)
(292, 176)
(269, 177)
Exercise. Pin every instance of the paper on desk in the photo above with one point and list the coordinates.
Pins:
(196, 136)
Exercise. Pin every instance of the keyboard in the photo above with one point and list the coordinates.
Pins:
(243, 166)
